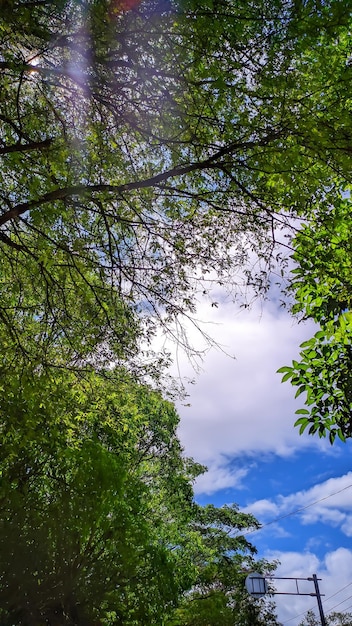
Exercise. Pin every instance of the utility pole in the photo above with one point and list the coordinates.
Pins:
(318, 597)
(256, 586)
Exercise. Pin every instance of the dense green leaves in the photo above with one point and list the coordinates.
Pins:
(80, 537)
(321, 286)
(147, 154)
(97, 518)
(218, 594)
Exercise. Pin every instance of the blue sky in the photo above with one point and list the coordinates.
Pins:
(240, 424)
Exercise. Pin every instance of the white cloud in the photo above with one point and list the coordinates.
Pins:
(239, 405)
(329, 502)
(264, 509)
(347, 526)
(219, 477)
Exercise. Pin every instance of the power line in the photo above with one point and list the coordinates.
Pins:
(336, 592)
(303, 508)
(347, 608)
(343, 601)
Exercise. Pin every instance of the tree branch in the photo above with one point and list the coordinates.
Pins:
(179, 170)
(19, 147)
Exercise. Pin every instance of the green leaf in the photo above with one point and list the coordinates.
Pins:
(283, 369)
(300, 390)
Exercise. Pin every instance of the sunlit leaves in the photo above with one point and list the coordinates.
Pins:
(97, 515)
(150, 153)
(321, 285)
(222, 556)
(93, 493)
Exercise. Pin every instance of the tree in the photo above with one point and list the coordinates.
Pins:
(321, 286)
(218, 594)
(80, 542)
(97, 519)
(332, 619)
(339, 619)
(147, 153)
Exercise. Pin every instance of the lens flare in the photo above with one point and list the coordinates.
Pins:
(121, 6)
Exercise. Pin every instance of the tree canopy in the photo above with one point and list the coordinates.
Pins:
(149, 152)
(98, 524)
(334, 618)
(146, 154)
(321, 286)
(78, 542)
(218, 594)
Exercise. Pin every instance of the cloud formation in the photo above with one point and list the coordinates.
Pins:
(329, 502)
(239, 405)
(240, 413)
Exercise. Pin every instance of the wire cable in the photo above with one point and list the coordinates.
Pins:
(347, 608)
(343, 601)
(303, 508)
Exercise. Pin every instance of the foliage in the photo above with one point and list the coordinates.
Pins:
(322, 289)
(79, 538)
(147, 150)
(332, 619)
(148, 153)
(218, 594)
(97, 519)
